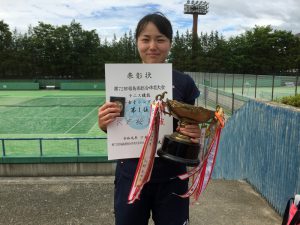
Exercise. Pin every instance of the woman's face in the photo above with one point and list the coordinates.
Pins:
(152, 45)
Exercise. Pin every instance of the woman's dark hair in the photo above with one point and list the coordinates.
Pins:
(160, 21)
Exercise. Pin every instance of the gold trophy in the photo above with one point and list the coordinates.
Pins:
(178, 147)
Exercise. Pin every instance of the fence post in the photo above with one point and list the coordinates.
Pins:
(232, 83)
(232, 106)
(204, 79)
(255, 86)
(297, 78)
(3, 147)
(273, 82)
(224, 82)
(217, 96)
(205, 95)
(78, 153)
(41, 147)
(217, 92)
(243, 84)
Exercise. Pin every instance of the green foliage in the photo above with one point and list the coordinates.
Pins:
(263, 50)
(5, 47)
(70, 52)
(5, 36)
(291, 100)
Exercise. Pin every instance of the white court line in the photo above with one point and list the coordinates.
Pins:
(48, 110)
(26, 117)
(92, 128)
(80, 120)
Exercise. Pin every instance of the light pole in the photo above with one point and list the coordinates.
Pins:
(195, 8)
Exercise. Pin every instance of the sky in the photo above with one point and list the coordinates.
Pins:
(109, 17)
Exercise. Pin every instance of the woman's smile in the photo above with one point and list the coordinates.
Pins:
(152, 45)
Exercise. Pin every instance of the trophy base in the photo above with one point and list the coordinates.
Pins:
(180, 152)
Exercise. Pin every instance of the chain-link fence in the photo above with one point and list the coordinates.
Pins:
(231, 91)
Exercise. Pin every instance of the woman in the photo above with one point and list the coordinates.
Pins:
(154, 37)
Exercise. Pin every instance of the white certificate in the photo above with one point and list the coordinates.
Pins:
(139, 84)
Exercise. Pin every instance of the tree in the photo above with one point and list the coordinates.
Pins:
(70, 52)
(181, 52)
(5, 48)
(5, 36)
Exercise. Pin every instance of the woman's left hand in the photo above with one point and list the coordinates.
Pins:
(191, 130)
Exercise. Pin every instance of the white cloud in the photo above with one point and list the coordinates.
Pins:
(110, 17)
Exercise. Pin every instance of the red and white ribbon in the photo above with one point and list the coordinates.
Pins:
(202, 173)
(146, 160)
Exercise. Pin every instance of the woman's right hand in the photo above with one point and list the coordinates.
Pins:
(107, 113)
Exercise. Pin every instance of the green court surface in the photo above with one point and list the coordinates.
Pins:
(263, 92)
(51, 114)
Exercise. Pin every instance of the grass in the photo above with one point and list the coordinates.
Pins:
(291, 100)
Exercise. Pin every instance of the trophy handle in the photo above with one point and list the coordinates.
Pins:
(161, 96)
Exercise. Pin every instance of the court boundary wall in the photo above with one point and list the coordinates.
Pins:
(57, 167)
(260, 144)
(52, 84)
(19, 86)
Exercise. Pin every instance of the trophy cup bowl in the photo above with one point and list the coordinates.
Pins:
(178, 147)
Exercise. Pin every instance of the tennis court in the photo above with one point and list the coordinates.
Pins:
(263, 92)
(51, 114)
(267, 87)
